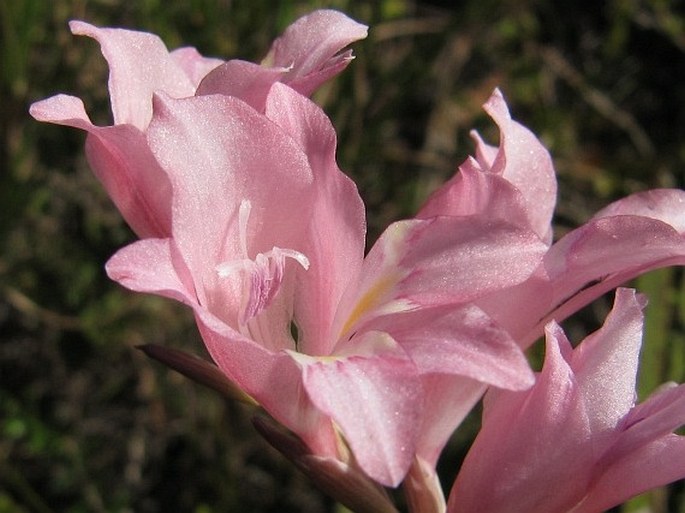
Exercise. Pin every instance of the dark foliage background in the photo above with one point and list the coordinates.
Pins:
(87, 423)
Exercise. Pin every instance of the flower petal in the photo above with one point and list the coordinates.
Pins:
(121, 160)
(604, 253)
(271, 378)
(245, 80)
(309, 48)
(139, 65)
(660, 415)
(220, 153)
(442, 260)
(374, 396)
(472, 191)
(335, 238)
(193, 64)
(656, 464)
(524, 161)
(152, 265)
(611, 355)
(448, 399)
(515, 181)
(459, 340)
(666, 205)
(62, 109)
(529, 443)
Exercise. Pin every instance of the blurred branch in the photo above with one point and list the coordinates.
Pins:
(409, 27)
(33, 310)
(598, 100)
(16, 482)
(663, 21)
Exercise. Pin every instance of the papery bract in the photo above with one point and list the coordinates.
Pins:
(575, 441)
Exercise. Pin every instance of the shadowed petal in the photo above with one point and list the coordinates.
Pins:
(122, 161)
(449, 398)
(655, 464)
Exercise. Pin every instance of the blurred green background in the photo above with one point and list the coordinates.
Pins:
(88, 424)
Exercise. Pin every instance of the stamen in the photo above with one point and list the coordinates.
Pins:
(243, 217)
(261, 277)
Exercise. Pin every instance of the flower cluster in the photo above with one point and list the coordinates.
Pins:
(226, 172)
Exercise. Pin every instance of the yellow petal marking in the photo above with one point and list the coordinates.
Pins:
(370, 300)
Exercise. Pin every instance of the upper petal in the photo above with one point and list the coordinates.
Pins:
(245, 80)
(525, 188)
(219, 153)
(309, 48)
(62, 109)
(472, 191)
(336, 228)
(666, 205)
(193, 64)
(139, 64)
(526, 163)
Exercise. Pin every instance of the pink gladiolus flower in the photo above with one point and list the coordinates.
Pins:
(255, 227)
(516, 180)
(576, 441)
(304, 57)
(227, 173)
(268, 238)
